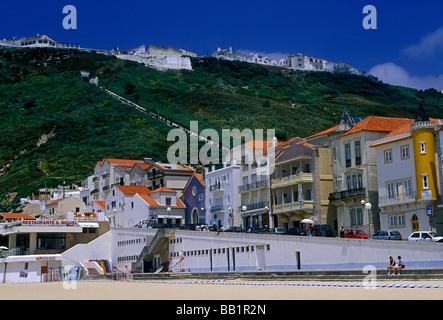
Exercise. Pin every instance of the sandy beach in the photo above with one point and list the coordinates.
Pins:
(133, 290)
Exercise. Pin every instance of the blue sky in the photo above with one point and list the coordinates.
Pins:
(405, 49)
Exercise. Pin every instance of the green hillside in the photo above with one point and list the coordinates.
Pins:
(42, 93)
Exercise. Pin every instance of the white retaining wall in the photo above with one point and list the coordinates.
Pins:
(207, 251)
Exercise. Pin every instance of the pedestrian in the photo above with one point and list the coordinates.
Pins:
(308, 231)
(391, 265)
(342, 232)
(400, 265)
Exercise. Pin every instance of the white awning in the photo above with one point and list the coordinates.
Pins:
(88, 224)
(169, 217)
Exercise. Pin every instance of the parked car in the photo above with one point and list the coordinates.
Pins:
(387, 235)
(425, 236)
(234, 229)
(279, 230)
(295, 232)
(188, 226)
(355, 233)
(256, 230)
(323, 230)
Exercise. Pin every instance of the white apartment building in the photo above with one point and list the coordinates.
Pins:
(109, 172)
(117, 199)
(158, 207)
(222, 197)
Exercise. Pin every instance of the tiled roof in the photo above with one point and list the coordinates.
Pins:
(322, 132)
(381, 124)
(16, 216)
(149, 200)
(133, 189)
(123, 161)
(56, 201)
(163, 189)
(100, 203)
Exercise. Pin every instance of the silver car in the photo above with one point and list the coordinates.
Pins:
(387, 235)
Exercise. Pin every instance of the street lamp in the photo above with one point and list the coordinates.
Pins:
(368, 207)
(169, 218)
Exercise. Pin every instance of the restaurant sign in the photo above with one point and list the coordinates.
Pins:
(63, 223)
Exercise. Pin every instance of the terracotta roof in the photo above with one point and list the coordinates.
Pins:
(381, 124)
(16, 216)
(199, 177)
(133, 189)
(327, 131)
(123, 161)
(149, 200)
(101, 203)
(56, 201)
(163, 189)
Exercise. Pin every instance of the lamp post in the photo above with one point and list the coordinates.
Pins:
(169, 218)
(243, 209)
(368, 207)
(231, 216)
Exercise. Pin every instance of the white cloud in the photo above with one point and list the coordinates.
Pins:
(393, 74)
(271, 55)
(429, 45)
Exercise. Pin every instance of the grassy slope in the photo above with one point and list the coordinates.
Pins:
(41, 91)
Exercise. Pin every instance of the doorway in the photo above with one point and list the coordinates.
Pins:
(260, 252)
(414, 223)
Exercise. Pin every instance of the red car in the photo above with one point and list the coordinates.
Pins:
(355, 233)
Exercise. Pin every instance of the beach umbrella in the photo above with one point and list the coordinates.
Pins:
(308, 221)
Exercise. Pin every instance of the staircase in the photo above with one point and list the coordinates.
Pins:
(157, 245)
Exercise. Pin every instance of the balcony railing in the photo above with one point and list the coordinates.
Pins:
(96, 190)
(253, 186)
(396, 199)
(291, 180)
(94, 179)
(106, 175)
(217, 186)
(347, 194)
(254, 206)
(307, 205)
(218, 208)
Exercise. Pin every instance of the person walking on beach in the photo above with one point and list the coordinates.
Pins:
(391, 265)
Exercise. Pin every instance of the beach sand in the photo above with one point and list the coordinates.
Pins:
(132, 290)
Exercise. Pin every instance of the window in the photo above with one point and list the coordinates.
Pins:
(404, 152)
(348, 182)
(357, 152)
(55, 241)
(359, 181)
(168, 201)
(390, 190)
(397, 220)
(388, 156)
(398, 190)
(407, 185)
(348, 154)
(356, 216)
(422, 147)
(425, 180)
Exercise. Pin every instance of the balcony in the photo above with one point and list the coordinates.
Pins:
(253, 186)
(95, 179)
(254, 206)
(106, 175)
(96, 190)
(347, 194)
(307, 205)
(217, 187)
(106, 188)
(397, 199)
(218, 208)
(294, 179)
